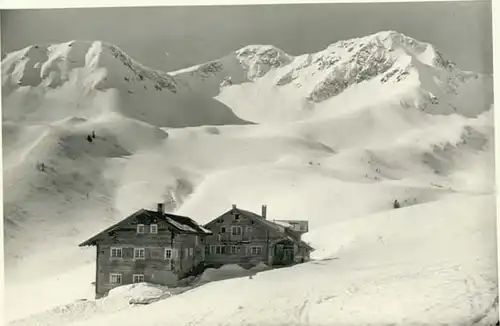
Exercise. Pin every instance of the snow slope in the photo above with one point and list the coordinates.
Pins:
(446, 250)
(335, 139)
(279, 87)
(86, 79)
(53, 97)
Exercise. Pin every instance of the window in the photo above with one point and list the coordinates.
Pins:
(219, 237)
(236, 217)
(116, 252)
(248, 229)
(139, 253)
(222, 229)
(138, 278)
(236, 230)
(190, 251)
(218, 249)
(168, 253)
(186, 252)
(256, 250)
(235, 250)
(207, 250)
(140, 228)
(115, 278)
(153, 228)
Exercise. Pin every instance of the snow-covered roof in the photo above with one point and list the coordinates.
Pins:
(183, 224)
(284, 224)
(180, 226)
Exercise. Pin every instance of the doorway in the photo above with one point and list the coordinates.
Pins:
(283, 253)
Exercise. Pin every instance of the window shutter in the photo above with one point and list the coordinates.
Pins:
(175, 253)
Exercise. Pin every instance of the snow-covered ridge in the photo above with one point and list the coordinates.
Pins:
(381, 66)
(90, 78)
(258, 60)
(387, 57)
(105, 65)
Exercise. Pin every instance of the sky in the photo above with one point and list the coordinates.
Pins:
(190, 35)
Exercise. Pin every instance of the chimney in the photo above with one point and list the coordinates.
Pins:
(161, 208)
(234, 206)
(264, 211)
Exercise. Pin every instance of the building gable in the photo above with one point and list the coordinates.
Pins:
(236, 223)
(230, 217)
(123, 224)
(165, 222)
(237, 216)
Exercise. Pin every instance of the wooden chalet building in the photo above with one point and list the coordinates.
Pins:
(246, 238)
(147, 246)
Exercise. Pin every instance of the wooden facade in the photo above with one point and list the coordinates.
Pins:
(147, 246)
(245, 238)
(156, 247)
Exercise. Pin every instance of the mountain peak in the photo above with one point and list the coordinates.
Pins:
(259, 59)
(367, 64)
(397, 44)
(90, 79)
(104, 65)
(351, 61)
(424, 51)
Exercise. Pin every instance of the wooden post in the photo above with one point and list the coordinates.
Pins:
(172, 266)
(96, 270)
(269, 261)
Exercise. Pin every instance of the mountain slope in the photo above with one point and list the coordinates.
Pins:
(86, 79)
(280, 87)
(445, 249)
(337, 139)
(53, 97)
